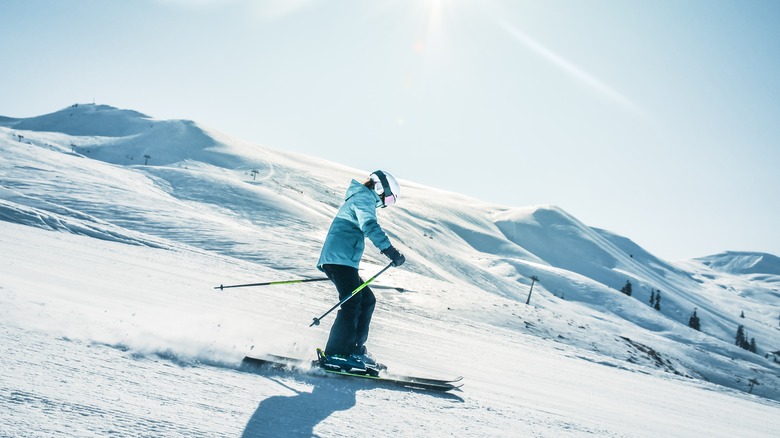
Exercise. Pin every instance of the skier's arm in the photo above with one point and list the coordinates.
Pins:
(365, 212)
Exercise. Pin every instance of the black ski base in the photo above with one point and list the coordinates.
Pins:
(313, 367)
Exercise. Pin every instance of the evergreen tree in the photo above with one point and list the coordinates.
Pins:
(740, 337)
(657, 301)
(694, 322)
(753, 348)
(652, 297)
(746, 343)
(627, 288)
(742, 315)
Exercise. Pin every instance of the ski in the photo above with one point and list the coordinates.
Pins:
(282, 363)
(279, 363)
(378, 368)
(403, 381)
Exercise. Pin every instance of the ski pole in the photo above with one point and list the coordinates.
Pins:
(354, 292)
(271, 283)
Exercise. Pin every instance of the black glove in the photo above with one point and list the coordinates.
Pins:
(393, 254)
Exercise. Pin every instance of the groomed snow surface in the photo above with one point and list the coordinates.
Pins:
(115, 228)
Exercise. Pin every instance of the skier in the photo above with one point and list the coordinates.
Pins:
(340, 257)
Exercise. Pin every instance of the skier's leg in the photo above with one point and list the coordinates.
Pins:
(342, 335)
(367, 304)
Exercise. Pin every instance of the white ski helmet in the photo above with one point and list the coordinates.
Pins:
(386, 187)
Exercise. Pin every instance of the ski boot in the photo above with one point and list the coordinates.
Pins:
(368, 359)
(344, 363)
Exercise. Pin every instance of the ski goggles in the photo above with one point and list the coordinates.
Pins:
(389, 199)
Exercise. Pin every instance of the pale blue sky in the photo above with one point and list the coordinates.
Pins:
(656, 120)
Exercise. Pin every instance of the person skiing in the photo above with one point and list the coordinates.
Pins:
(341, 253)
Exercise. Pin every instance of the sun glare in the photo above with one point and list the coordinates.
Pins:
(431, 14)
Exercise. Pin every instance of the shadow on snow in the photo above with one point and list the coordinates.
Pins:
(297, 415)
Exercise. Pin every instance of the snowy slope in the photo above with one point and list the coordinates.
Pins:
(106, 253)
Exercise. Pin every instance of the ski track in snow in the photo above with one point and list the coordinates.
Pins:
(50, 391)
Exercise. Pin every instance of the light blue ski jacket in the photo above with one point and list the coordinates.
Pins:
(355, 220)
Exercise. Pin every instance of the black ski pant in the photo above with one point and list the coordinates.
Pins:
(350, 330)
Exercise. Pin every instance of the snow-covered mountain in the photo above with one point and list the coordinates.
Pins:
(116, 226)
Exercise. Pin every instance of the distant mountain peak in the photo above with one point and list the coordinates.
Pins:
(741, 262)
(88, 120)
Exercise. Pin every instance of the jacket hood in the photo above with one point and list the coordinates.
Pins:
(355, 187)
